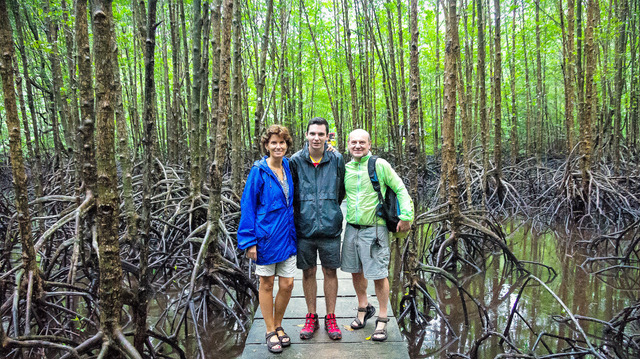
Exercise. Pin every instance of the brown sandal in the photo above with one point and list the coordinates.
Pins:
(283, 337)
(274, 347)
(381, 333)
(370, 310)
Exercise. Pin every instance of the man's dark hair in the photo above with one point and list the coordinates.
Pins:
(318, 121)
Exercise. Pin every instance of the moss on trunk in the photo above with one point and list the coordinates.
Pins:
(107, 186)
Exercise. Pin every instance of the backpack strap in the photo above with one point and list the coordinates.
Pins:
(371, 168)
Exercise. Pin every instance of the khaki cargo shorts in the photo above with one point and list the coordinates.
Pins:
(366, 250)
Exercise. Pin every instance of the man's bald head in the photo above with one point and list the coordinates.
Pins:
(359, 143)
(359, 132)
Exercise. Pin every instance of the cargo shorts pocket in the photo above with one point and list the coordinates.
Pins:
(380, 252)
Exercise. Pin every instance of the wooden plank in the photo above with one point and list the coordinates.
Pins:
(319, 275)
(293, 327)
(345, 288)
(354, 343)
(337, 350)
(346, 307)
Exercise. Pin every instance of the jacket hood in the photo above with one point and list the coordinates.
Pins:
(262, 163)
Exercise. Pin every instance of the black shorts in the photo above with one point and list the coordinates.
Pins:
(327, 248)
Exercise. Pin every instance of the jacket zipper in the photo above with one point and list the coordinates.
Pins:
(273, 175)
(358, 195)
(315, 173)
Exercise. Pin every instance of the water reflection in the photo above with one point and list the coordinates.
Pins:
(539, 317)
(222, 337)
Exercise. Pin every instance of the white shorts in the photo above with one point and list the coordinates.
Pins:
(286, 268)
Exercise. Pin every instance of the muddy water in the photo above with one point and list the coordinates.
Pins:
(221, 338)
(497, 289)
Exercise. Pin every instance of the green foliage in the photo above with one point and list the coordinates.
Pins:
(367, 19)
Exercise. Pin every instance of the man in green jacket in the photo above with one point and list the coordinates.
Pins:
(365, 248)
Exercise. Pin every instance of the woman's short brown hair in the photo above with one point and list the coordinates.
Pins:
(277, 130)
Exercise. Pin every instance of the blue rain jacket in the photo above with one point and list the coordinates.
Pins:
(266, 219)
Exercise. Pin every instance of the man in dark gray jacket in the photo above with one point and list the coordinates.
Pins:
(318, 182)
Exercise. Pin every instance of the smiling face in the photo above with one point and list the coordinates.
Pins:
(317, 136)
(276, 146)
(359, 144)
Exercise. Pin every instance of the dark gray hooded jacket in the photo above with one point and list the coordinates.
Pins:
(317, 194)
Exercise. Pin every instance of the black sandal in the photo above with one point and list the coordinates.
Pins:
(382, 333)
(370, 310)
(272, 345)
(283, 337)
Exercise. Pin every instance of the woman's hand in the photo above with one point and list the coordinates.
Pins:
(252, 253)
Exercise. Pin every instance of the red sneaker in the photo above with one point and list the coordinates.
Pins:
(331, 326)
(310, 326)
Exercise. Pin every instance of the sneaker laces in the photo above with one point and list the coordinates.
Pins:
(309, 324)
(332, 325)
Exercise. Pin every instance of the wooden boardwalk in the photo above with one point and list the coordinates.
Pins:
(354, 343)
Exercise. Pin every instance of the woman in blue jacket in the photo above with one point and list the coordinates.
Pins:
(267, 231)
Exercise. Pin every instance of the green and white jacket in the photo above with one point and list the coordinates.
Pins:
(362, 199)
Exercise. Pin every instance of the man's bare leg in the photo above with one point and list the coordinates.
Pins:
(360, 285)
(330, 288)
(310, 288)
(382, 292)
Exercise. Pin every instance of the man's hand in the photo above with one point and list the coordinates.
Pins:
(252, 253)
(330, 148)
(403, 226)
